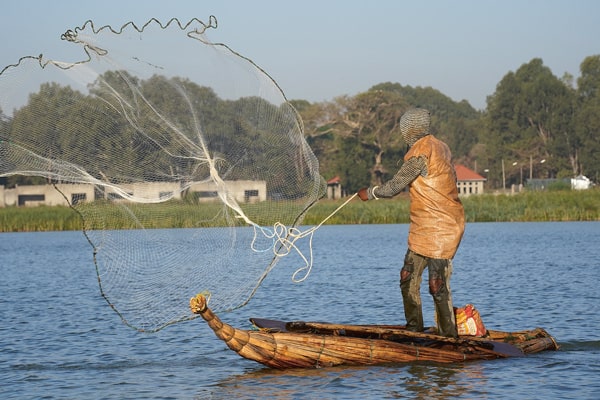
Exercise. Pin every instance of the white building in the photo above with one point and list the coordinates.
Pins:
(580, 183)
(65, 193)
(468, 181)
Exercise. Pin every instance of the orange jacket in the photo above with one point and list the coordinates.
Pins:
(437, 218)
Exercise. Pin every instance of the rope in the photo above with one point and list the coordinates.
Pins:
(337, 209)
(287, 238)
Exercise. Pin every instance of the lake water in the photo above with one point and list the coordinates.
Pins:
(59, 339)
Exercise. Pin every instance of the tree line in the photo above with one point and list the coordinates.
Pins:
(158, 129)
(534, 125)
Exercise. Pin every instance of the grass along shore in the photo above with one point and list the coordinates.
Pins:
(564, 205)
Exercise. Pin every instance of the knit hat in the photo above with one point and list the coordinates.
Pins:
(414, 124)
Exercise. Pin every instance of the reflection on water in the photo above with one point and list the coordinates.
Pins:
(580, 345)
(420, 381)
(444, 381)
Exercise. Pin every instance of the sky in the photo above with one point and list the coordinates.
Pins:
(318, 50)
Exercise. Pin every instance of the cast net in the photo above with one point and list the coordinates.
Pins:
(153, 128)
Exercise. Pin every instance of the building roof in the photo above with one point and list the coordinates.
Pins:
(334, 181)
(465, 174)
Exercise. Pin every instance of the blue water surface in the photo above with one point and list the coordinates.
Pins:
(60, 339)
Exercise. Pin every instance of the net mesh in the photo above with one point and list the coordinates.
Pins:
(154, 128)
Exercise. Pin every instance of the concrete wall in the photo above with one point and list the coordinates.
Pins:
(467, 188)
(334, 191)
(242, 191)
(33, 195)
(141, 191)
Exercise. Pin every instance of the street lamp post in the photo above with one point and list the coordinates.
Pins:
(503, 177)
(486, 171)
(542, 161)
(530, 167)
(521, 166)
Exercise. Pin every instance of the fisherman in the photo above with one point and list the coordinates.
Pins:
(436, 220)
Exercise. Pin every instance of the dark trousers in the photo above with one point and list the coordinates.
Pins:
(439, 271)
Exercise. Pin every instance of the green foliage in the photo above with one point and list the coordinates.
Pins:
(353, 162)
(588, 84)
(540, 206)
(559, 185)
(587, 117)
(38, 219)
(456, 123)
(532, 116)
(126, 141)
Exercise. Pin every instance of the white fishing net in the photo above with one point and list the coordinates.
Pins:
(154, 128)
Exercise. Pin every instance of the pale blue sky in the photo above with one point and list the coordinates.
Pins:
(318, 50)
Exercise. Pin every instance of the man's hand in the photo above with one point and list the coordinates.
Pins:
(362, 193)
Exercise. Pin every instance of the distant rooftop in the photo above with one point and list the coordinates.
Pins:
(334, 181)
(465, 174)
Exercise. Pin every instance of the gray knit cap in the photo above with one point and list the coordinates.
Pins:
(414, 124)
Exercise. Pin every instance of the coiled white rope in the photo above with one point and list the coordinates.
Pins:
(284, 241)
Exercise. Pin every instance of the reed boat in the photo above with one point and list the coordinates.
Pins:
(299, 344)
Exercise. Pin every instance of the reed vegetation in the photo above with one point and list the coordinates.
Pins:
(530, 206)
(564, 205)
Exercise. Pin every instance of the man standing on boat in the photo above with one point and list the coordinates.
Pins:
(436, 220)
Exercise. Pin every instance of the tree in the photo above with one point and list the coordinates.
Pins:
(373, 118)
(153, 129)
(587, 117)
(4, 124)
(588, 84)
(530, 116)
(456, 123)
(367, 125)
(38, 126)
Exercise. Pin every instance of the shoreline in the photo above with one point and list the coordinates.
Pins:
(533, 206)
